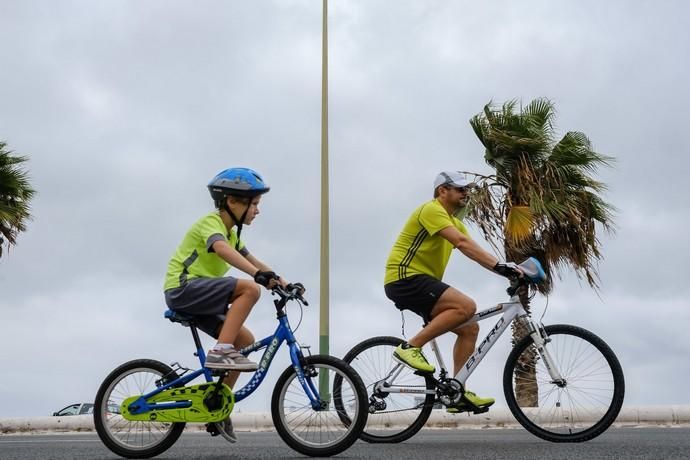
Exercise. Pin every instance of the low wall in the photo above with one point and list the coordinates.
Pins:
(261, 421)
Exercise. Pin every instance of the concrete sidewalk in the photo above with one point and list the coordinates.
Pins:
(261, 421)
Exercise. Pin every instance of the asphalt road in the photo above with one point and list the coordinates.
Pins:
(514, 444)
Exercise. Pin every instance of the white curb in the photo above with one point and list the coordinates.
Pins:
(261, 421)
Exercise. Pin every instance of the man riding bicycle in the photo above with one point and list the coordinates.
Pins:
(415, 268)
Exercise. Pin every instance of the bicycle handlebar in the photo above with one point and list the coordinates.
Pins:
(291, 293)
(533, 273)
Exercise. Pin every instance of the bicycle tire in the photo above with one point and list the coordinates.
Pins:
(406, 415)
(318, 433)
(133, 439)
(592, 395)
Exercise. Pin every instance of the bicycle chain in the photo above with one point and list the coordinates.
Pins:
(411, 408)
(400, 410)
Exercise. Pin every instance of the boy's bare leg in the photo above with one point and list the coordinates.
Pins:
(243, 299)
(244, 338)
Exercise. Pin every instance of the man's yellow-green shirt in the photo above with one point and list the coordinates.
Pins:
(419, 249)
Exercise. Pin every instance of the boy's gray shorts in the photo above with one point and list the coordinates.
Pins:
(207, 299)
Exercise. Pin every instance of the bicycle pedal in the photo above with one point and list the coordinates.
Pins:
(219, 372)
(480, 410)
(423, 373)
(213, 429)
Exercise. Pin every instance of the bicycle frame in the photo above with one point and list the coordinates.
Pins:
(512, 310)
(272, 343)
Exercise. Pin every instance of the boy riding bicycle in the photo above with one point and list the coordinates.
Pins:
(195, 285)
(415, 268)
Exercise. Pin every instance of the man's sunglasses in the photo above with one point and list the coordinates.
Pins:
(459, 189)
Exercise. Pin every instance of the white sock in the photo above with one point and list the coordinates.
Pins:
(223, 347)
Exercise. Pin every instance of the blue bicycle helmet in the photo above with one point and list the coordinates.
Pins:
(240, 182)
(243, 182)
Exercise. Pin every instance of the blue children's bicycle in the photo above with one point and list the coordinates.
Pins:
(155, 401)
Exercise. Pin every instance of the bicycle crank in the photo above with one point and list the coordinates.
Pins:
(449, 392)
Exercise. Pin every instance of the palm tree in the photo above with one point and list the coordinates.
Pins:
(15, 196)
(542, 200)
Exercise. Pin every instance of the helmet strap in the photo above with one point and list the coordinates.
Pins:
(237, 221)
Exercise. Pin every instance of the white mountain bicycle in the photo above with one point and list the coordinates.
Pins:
(561, 382)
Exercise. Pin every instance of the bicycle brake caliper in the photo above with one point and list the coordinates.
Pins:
(309, 371)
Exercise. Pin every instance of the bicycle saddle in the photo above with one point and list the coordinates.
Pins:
(177, 317)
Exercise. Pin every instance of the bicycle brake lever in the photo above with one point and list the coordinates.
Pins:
(297, 296)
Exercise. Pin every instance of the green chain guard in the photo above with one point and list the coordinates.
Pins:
(197, 412)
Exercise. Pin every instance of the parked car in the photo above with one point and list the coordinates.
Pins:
(84, 409)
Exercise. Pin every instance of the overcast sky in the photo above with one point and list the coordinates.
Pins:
(128, 108)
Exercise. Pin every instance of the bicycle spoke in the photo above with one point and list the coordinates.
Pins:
(579, 407)
(394, 416)
(132, 438)
(320, 428)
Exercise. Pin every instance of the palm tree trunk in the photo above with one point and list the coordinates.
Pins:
(525, 374)
(526, 389)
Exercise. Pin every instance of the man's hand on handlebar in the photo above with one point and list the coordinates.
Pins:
(508, 269)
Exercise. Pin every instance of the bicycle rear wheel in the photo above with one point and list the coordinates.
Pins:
(581, 407)
(128, 438)
(393, 417)
(328, 430)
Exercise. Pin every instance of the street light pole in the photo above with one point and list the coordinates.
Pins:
(325, 266)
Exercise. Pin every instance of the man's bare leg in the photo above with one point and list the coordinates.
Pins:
(451, 310)
(464, 345)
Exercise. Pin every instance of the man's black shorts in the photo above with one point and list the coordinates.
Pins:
(418, 293)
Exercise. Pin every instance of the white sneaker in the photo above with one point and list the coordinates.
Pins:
(227, 431)
(230, 359)
(224, 428)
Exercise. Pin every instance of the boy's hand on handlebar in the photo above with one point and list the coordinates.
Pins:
(267, 279)
(508, 269)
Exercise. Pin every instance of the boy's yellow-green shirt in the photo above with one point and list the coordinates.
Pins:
(194, 257)
(419, 249)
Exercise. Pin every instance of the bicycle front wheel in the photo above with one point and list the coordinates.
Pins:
(393, 417)
(127, 438)
(326, 430)
(578, 408)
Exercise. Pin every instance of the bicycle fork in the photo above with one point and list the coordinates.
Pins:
(540, 339)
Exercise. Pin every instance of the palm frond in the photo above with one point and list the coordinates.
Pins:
(519, 225)
(15, 196)
(547, 200)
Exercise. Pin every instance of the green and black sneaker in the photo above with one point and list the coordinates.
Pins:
(479, 402)
(412, 357)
